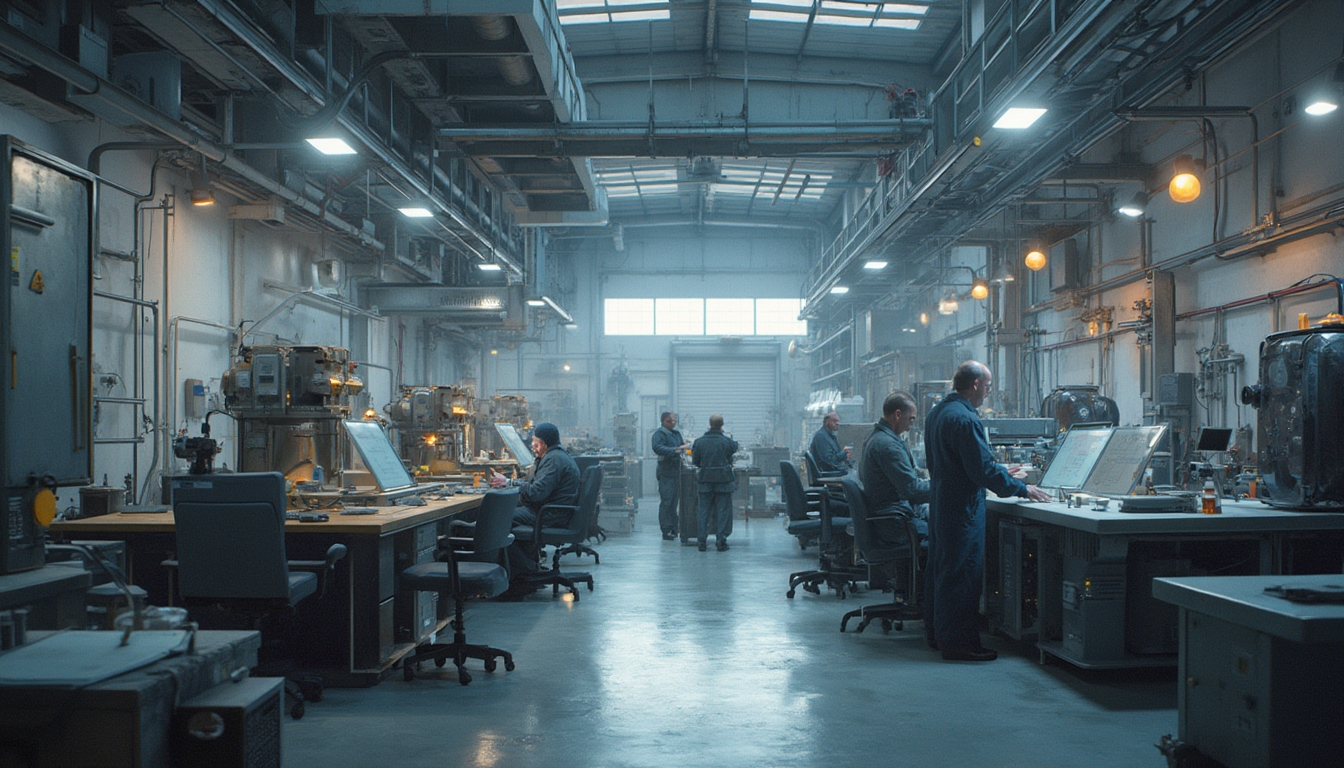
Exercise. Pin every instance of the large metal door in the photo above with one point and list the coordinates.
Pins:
(745, 389)
(45, 379)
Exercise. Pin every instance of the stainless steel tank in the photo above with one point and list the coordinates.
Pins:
(1300, 399)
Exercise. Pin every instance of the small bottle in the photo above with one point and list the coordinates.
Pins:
(1210, 501)
(318, 474)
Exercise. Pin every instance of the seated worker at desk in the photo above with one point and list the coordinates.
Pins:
(555, 480)
(890, 484)
(826, 450)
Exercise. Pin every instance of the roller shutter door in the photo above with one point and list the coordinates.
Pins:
(743, 389)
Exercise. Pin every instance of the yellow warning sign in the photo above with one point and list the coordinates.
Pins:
(37, 285)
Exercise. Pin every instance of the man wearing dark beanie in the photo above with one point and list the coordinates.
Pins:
(555, 480)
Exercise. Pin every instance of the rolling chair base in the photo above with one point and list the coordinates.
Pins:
(558, 579)
(891, 615)
(459, 650)
(581, 550)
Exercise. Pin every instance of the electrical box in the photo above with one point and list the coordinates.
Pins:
(193, 398)
(1176, 390)
(154, 78)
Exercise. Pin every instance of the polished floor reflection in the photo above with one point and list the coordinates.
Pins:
(683, 658)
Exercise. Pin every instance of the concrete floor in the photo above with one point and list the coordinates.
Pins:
(682, 658)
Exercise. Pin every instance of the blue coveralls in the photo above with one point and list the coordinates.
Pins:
(828, 454)
(667, 445)
(712, 453)
(961, 467)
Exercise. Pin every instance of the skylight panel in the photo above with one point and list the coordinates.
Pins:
(617, 15)
(897, 23)
(585, 18)
(622, 191)
(657, 189)
(733, 189)
(655, 174)
(765, 15)
(844, 14)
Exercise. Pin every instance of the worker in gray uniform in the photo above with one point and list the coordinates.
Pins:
(668, 445)
(712, 455)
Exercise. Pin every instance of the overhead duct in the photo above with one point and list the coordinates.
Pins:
(514, 69)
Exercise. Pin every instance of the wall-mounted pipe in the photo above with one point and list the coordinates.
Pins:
(1265, 298)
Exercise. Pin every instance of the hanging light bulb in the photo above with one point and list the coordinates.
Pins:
(1035, 260)
(980, 289)
(1184, 186)
(924, 318)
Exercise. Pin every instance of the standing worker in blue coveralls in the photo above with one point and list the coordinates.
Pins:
(669, 445)
(961, 467)
(712, 454)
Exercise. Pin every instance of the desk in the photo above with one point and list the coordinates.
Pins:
(1261, 678)
(1078, 579)
(354, 632)
(124, 721)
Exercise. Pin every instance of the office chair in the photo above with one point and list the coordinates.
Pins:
(828, 571)
(470, 564)
(801, 523)
(581, 516)
(231, 554)
(815, 478)
(873, 554)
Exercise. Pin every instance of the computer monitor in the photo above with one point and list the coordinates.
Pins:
(376, 451)
(515, 444)
(1214, 439)
(1078, 452)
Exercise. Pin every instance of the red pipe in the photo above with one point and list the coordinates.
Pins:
(1271, 296)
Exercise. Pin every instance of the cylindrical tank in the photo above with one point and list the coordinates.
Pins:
(1300, 399)
(1082, 404)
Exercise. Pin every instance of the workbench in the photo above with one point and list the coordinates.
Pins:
(1261, 678)
(1078, 580)
(364, 622)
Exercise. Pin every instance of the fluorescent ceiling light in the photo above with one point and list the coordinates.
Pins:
(415, 212)
(1017, 118)
(486, 266)
(839, 289)
(875, 265)
(332, 146)
(535, 303)
(1321, 107)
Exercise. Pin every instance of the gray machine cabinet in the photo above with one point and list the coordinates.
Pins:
(45, 314)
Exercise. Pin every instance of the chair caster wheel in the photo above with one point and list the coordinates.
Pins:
(886, 626)
(508, 666)
(490, 665)
(462, 677)
(439, 662)
(590, 586)
(789, 594)
(296, 711)
(575, 594)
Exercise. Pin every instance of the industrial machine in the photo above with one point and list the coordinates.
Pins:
(1300, 399)
(45, 310)
(435, 427)
(289, 403)
(1079, 405)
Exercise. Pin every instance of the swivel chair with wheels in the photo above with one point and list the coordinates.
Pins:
(804, 515)
(470, 564)
(830, 569)
(538, 538)
(875, 554)
(231, 554)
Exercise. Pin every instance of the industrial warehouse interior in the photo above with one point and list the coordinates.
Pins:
(379, 372)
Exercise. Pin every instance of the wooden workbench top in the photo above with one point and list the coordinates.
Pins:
(386, 520)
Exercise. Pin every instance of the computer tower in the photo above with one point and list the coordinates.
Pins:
(233, 725)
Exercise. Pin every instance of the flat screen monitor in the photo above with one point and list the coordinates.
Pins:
(376, 451)
(1077, 455)
(1214, 439)
(514, 442)
(1123, 460)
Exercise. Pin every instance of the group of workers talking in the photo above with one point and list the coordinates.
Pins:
(961, 468)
